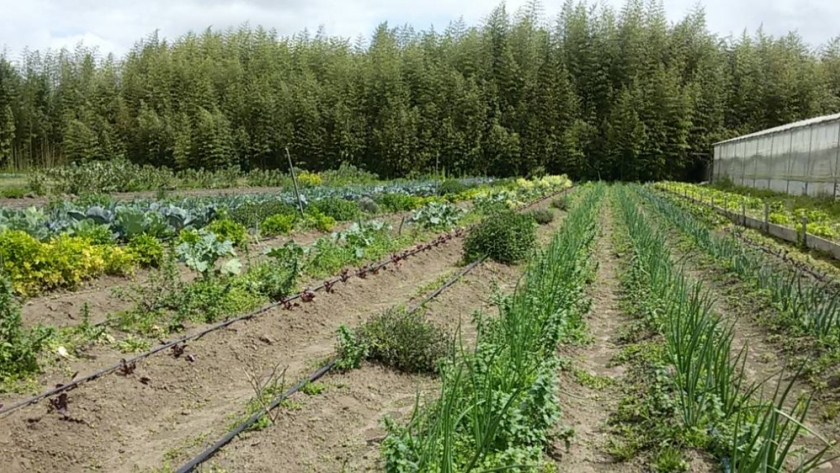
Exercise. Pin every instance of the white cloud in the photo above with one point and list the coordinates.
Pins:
(115, 25)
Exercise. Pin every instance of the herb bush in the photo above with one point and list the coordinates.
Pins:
(508, 237)
(542, 216)
(341, 210)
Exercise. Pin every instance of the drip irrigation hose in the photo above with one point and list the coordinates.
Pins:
(131, 361)
(210, 451)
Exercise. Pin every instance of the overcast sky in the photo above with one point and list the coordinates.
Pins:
(115, 25)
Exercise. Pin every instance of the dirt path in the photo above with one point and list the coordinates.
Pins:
(586, 406)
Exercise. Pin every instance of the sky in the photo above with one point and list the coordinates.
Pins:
(115, 25)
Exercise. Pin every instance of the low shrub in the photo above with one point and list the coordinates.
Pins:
(64, 261)
(560, 203)
(279, 224)
(452, 186)
(19, 347)
(367, 205)
(394, 202)
(507, 237)
(341, 210)
(227, 229)
(252, 214)
(147, 249)
(542, 216)
(404, 341)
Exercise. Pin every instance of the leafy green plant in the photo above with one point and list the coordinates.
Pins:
(393, 202)
(13, 192)
(147, 249)
(276, 278)
(351, 351)
(542, 216)
(560, 203)
(202, 254)
(226, 229)
(315, 219)
(19, 347)
(341, 210)
(452, 186)
(279, 224)
(251, 214)
(437, 215)
(508, 237)
(405, 341)
(368, 206)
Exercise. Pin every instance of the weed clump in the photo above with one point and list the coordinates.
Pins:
(508, 237)
(560, 203)
(452, 186)
(405, 341)
(542, 216)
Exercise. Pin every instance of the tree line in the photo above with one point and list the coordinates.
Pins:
(595, 93)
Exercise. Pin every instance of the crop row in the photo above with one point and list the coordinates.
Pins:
(166, 305)
(498, 401)
(695, 392)
(67, 247)
(778, 210)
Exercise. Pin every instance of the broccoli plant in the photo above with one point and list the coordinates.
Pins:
(202, 255)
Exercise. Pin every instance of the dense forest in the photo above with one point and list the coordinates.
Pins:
(593, 93)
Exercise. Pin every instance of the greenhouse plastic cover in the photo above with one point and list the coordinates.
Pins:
(797, 158)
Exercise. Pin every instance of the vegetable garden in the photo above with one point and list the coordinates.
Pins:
(525, 325)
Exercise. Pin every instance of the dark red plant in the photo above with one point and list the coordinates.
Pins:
(178, 350)
(127, 368)
(60, 403)
(328, 286)
(345, 275)
(307, 296)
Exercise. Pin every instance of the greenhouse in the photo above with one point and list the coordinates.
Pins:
(797, 158)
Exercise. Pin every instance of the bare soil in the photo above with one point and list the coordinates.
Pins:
(341, 429)
(170, 406)
(585, 408)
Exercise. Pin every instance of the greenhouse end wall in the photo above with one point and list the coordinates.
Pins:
(800, 158)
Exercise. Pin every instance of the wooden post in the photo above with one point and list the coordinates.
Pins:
(726, 205)
(743, 214)
(804, 231)
(294, 179)
(766, 217)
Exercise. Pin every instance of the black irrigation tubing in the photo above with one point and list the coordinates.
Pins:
(306, 296)
(213, 449)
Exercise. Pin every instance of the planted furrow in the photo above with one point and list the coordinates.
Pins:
(697, 395)
(497, 399)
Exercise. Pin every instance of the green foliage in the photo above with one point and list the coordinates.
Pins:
(13, 192)
(561, 203)
(275, 279)
(341, 210)
(315, 219)
(201, 250)
(507, 237)
(542, 216)
(368, 206)
(147, 249)
(252, 214)
(226, 229)
(452, 186)
(435, 215)
(19, 347)
(404, 341)
(392, 202)
(65, 261)
(279, 224)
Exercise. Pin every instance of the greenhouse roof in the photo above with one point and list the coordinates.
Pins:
(789, 126)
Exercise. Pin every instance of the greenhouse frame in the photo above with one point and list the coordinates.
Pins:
(797, 158)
